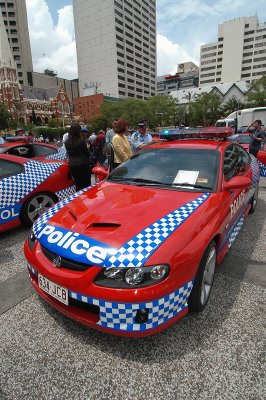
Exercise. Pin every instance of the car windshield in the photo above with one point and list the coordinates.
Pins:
(3, 149)
(170, 168)
(243, 139)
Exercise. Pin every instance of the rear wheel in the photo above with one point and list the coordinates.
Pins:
(254, 200)
(204, 280)
(35, 206)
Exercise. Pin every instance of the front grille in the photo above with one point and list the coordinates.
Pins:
(65, 262)
(85, 306)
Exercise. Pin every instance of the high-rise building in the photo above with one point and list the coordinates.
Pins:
(239, 54)
(16, 23)
(116, 47)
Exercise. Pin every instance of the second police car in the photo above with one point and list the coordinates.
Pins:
(30, 187)
(136, 252)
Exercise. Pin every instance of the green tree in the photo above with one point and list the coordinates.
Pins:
(4, 117)
(162, 110)
(231, 105)
(205, 110)
(134, 110)
(256, 96)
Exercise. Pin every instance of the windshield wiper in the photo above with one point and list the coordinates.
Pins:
(143, 180)
(135, 180)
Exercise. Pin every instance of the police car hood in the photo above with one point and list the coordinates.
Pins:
(114, 217)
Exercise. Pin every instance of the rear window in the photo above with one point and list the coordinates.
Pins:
(3, 149)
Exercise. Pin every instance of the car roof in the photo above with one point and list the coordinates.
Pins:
(17, 159)
(193, 144)
(23, 160)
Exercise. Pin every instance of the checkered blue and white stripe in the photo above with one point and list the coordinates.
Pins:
(262, 169)
(235, 230)
(60, 155)
(66, 192)
(14, 188)
(38, 225)
(121, 316)
(255, 170)
(137, 250)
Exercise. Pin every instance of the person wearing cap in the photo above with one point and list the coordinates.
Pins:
(141, 138)
(19, 132)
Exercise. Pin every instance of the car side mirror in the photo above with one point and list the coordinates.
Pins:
(237, 182)
(100, 172)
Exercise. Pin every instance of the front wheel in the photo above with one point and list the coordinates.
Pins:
(254, 200)
(35, 206)
(204, 280)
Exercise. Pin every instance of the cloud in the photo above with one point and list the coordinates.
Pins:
(169, 54)
(52, 45)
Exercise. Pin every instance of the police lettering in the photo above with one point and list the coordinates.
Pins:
(238, 202)
(70, 241)
(7, 214)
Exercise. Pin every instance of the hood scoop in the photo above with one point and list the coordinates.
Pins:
(102, 226)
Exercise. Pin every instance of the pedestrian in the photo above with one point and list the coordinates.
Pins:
(257, 137)
(78, 157)
(141, 138)
(99, 144)
(120, 143)
(111, 132)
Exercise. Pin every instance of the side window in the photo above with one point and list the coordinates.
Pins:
(43, 150)
(9, 168)
(243, 161)
(21, 151)
(231, 156)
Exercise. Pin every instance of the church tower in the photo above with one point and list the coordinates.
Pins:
(10, 89)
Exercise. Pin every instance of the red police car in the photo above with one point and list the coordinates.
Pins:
(30, 187)
(244, 140)
(136, 252)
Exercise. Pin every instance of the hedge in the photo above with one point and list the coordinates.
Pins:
(51, 133)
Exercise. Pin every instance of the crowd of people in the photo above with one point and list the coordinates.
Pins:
(123, 142)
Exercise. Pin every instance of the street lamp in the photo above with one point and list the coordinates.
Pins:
(160, 114)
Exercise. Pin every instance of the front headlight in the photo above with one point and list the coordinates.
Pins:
(132, 277)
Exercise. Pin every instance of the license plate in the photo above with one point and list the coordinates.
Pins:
(58, 292)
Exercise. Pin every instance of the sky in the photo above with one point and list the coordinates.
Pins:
(182, 27)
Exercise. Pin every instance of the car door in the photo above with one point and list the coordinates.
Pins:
(9, 211)
(236, 163)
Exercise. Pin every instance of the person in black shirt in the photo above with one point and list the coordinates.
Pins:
(78, 157)
(257, 137)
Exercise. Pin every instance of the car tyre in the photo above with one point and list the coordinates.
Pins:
(200, 293)
(35, 206)
(254, 200)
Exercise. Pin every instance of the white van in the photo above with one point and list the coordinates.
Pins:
(243, 118)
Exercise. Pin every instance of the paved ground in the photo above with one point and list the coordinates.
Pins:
(218, 354)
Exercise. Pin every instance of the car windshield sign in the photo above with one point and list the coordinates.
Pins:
(170, 168)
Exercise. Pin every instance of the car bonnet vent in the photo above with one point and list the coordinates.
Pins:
(105, 225)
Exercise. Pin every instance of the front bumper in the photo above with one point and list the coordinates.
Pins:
(119, 318)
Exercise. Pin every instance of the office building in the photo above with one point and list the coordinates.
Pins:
(116, 47)
(15, 19)
(187, 76)
(239, 53)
